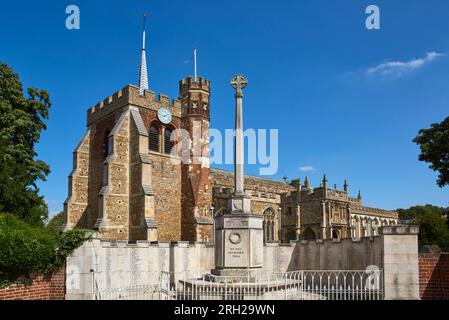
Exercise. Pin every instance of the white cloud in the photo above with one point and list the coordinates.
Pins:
(307, 169)
(52, 214)
(400, 68)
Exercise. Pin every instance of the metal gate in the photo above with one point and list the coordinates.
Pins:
(295, 285)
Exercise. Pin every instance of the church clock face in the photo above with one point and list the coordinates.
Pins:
(164, 115)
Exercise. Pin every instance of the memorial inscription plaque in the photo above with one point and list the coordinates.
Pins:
(236, 254)
(236, 223)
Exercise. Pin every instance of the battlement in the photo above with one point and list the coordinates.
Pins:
(130, 95)
(337, 195)
(226, 193)
(374, 211)
(117, 98)
(256, 194)
(189, 83)
(312, 194)
(222, 178)
(222, 192)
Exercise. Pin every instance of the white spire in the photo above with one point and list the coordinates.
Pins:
(143, 76)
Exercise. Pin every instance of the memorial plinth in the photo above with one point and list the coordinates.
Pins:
(239, 244)
(238, 233)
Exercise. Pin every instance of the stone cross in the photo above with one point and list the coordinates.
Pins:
(239, 82)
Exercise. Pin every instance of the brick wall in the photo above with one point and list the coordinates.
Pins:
(434, 276)
(43, 288)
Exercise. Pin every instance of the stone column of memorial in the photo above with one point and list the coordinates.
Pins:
(239, 233)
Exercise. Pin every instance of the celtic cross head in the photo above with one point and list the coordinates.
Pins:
(239, 82)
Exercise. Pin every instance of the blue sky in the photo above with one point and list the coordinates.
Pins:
(347, 101)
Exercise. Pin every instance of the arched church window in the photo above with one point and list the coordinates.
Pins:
(168, 144)
(309, 235)
(335, 234)
(106, 143)
(154, 138)
(269, 216)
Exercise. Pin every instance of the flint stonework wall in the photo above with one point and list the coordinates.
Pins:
(97, 138)
(115, 223)
(137, 227)
(166, 178)
(76, 204)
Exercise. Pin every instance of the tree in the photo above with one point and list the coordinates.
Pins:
(27, 249)
(434, 144)
(56, 223)
(413, 212)
(433, 228)
(21, 124)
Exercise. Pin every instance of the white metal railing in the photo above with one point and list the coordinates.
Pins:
(343, 285)
(296, 285)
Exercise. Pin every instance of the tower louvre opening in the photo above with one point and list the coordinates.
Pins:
(154, 138)
(168, 144)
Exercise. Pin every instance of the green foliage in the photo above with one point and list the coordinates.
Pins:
(29, 249)
(434, 144)
(21, 124)
(24, 248)
(433, 230)
(433, 226)
(55, 224)
(413, 212)
(69, 241)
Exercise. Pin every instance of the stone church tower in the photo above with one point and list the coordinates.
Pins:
(132, 181)
(127, 181)
(196, 201)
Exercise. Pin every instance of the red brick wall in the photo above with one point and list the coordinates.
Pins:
(434, 276)
(43, 288)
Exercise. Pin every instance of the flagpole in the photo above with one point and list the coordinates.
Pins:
(194, 57)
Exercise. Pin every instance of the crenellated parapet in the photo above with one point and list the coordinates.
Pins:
(130, 95)
(355, 202)
(337, 195)
(261, 187)
(361, 210)
(189, 84)
(312, 194)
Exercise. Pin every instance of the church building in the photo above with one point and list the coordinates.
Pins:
(125, 184)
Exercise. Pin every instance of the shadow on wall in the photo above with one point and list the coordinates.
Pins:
(336, 254)
(433, 274)
(293, 265)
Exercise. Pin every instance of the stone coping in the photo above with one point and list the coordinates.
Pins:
(391, 230)
(188, 244)
(399, 230)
